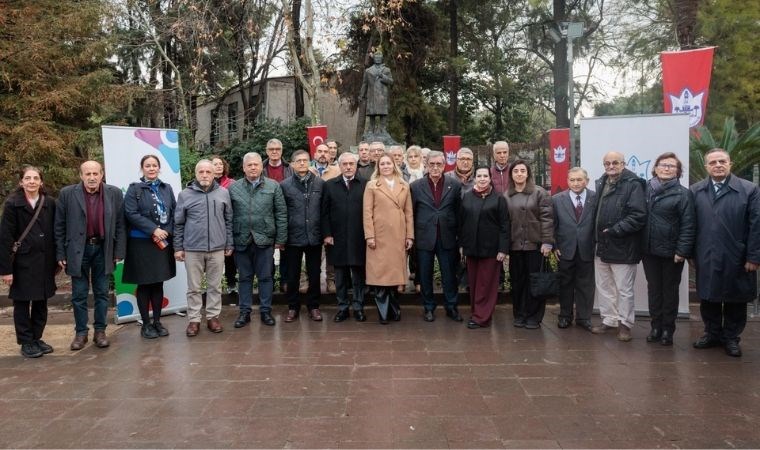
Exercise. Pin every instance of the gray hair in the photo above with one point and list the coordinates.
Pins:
(203, 162)
(376, 143)
(345, 155)
(394, 148)
(463, 151)
(498, 144)
(578, 169)
(414, 149)
(251, 155)
(274, 141)
(436, 154)
(425, 151)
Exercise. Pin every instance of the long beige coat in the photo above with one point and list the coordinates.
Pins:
(388, 219)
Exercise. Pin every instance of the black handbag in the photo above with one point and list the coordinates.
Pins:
(545, 282)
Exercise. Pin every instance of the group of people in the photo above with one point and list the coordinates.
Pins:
(363, 219)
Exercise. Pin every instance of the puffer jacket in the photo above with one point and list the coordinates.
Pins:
(531, 216)
(304, 215)
(671, 224)
(261, 216)
(203, 219)
(622, 211)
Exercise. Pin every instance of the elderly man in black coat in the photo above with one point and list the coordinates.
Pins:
(727, 251)
(435, 200)
(343, 231)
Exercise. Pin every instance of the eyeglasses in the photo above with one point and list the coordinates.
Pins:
(464, 159)
(613, 163)
(301, 161)
(667, 166)
(435, 164)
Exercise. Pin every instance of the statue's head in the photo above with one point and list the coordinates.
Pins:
(378, 58)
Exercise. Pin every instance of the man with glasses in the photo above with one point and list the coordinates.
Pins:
(727, 251)
(376, 150)
(332, 152)
(274, 166)
(464, 171)
(620, 217)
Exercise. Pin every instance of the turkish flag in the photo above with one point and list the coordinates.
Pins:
(686, 82)
(451, 145)
(316, 135)
(559, 157)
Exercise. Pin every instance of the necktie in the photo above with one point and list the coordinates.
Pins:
(348, 185)
(578, 208)
(320, 170)
(718, 186)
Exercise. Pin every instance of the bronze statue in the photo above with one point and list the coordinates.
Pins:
(375, 89)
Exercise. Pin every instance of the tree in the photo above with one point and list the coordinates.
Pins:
(743, 148)
(306, 72)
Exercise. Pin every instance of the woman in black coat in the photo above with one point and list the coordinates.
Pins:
(31, 273)
(149, 212)
(484, 237)
(668, 240)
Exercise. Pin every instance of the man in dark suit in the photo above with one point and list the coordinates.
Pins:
(574, 240)
(435, 200)
(343, 231)
(90, 240)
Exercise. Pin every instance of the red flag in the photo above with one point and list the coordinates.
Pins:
(316, 135)
(559, 157)
(451, 145)
(686, 82)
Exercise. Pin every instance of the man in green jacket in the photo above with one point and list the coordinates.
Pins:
(259, 224)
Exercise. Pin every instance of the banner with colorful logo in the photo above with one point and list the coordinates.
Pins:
(123, 147)
(686, 82)
(451, 145)
(559, 157)
(317, 135)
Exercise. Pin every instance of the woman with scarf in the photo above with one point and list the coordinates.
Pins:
(668, 240)
(30, 272)
(531, 238)
(149, 211)
(484, 236)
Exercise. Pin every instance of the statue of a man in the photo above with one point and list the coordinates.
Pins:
(375, 88)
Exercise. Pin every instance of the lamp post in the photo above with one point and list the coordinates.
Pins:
(569, 31)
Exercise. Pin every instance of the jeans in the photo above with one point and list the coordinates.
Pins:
(447, 261)
(253, 260)
(93, 265)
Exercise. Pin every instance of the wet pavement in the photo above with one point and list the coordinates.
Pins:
(410, 384)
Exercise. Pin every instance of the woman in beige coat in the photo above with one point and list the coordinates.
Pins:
(389, 232)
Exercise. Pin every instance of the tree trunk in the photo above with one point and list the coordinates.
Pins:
(498, 121)
(298, 87)
(686, 22)
(560, 70)
(453, 117)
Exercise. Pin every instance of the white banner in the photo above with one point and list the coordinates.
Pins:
(123, 147)
(641, 139)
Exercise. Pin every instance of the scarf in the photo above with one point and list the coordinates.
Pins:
(464, 177)
(657, 187)
(482, 193)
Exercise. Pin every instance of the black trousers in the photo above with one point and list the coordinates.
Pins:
(29, 318)
(354, 275)
(576, 287)
(526, 307)
(293, 257)
(663, 281)
(150, 297)
(230, 270)
(723, 320)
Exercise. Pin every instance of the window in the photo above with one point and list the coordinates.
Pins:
(232, 120)
(214, 136)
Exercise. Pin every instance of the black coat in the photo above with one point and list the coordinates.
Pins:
(303, 205)
(342, 218)
(671, 225)
(35, 265)
(428, 218)
(728, 235)
(622, 211)
(141, 211)
(484, 225)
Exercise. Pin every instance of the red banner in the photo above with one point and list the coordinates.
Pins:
(316, 135)
(559, 157)
(451, 145)
(686, 82)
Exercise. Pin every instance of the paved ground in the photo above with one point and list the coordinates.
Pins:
(409, 384)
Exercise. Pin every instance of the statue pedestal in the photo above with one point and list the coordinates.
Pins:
(381, 136)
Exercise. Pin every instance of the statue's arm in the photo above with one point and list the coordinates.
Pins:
(363, 91)
(386, 77)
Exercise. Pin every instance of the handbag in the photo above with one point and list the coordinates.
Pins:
(545, 282)
(17, 244)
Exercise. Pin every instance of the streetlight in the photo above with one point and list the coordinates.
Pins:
(569, 31)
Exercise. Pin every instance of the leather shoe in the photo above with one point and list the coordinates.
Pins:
(315, 315)
(214, 325)
(532, 325)
(359, 316)
(428, 316)
(267, 319)
(453, 314)
(706, 341)
(160, 329)
(655, 335)
(733, 349)
(243, 319)
(601, 329)
(473, 325)
(291, 317)
(45, 348)
(100, 339)
(563, 322)
(341, 315)
(31, 350)
(666, 338)
(624, 333)
(585, 324)
(192, 329)
(519, 323)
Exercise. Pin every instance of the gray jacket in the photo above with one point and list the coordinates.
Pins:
(574, 239)
(304, 213)
(203, 220)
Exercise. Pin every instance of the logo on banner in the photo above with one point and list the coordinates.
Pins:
(640, 168)
(560, 154)
(165, 141)
(318, 140)
(451, 158)
(690, 104)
